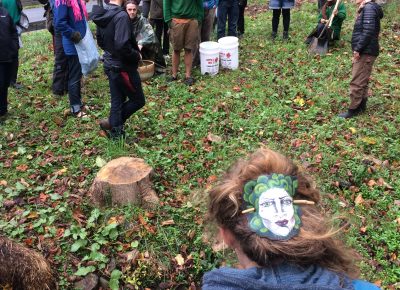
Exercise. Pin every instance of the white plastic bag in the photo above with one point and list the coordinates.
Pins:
(87, 52)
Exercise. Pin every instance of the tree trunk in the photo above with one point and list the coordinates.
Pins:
(124, 180)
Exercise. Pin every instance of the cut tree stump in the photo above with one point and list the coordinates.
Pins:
(124, 180)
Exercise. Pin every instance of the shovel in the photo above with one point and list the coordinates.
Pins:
(319, 45)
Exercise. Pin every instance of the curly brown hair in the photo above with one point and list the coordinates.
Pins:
(316, 243)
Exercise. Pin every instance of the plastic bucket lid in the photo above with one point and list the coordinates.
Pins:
(209, 45)
(228, 40)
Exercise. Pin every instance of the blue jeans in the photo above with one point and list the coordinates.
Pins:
(126, 95)
(74, 83)
(5, 72)
(227, 9)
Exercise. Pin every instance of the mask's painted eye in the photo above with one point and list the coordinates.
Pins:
(267, 203)
(287, 201)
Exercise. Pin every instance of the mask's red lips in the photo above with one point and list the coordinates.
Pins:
(282, 223)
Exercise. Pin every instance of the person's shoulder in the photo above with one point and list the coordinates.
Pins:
(364, 285)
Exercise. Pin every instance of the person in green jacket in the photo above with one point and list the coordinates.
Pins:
(340, 16)
(183, 18)
(332, 33)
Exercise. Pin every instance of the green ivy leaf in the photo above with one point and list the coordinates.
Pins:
(83, 271)
(78, 244)
(114, 281)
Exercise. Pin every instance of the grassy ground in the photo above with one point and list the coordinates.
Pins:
(281, 97)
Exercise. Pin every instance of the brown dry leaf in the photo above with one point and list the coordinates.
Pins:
(369, 140)
(237, 89)
(371, 183)
(168, 223)
(3, 182)
(43, 197)
(363, 229)
(253, 61)
(179, 260)
(22, 167)
(119, 219)
(378, 283)
(359, 200)
(32, 215)
(61, 171)
(214, 138)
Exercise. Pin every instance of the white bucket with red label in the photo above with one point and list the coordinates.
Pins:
(229, 52)
(209, 57)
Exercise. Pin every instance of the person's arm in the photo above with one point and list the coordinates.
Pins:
(61, 22)
(323, 16)
(167, 11)
(368, 23)
(341, 12)
(122, 40)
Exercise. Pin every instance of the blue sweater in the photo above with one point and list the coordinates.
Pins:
(281, 277)
(64, 22)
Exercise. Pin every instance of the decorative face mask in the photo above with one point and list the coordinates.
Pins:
(275, 216)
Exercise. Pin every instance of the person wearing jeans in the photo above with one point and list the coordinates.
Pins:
(70, 20)
(121, 57)
(227, 9)
(279, 7)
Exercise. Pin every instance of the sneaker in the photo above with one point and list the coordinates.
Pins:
(189, 81)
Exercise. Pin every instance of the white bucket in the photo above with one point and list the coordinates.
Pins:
(229, 52)
(209, 57)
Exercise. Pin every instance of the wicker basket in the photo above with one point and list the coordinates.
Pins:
(146, 69)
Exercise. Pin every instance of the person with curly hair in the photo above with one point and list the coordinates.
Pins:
(266, 210)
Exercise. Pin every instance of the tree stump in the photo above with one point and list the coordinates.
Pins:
(23, 268)
(122, 181)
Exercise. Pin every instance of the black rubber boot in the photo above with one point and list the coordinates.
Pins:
(349, 114)
(117, 133)
(363, 105)
(273, 35)
(285, 35)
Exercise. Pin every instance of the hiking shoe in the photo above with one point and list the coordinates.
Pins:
(189, 81)
(349, 114)
(105, 125)
(273, 35)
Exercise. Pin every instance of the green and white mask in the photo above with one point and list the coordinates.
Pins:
(275, 215)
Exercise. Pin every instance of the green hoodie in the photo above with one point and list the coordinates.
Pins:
(12, 8)
(337, 20)
(183, 9)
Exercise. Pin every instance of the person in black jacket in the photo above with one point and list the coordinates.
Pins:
(8, 52)
(121, 58)
(365, 46)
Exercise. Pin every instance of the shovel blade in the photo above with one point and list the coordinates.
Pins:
(318, 46)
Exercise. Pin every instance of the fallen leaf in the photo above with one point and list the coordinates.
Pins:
(100, 162)
(359, 200)
(214, 138)
(371, 183)
(369, 140)
(168, 223)
(22, 167)
(180, 260)
(353, 130)
(3, 182)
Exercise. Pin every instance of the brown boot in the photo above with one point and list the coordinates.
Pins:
(105, 125)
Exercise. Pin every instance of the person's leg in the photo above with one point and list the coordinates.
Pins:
(240, 25)
(158, 28)
(74, 83)
(117, 99)
(165, 42)
(176, 54)
(276, 13)
(146, 8)
(286, 22)
(136, 99)
(4, 84)
(361, 73)
(221, 18)
(233, 15)
(14, 70)
(60, 69)
(188, 58)
(207, 25)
